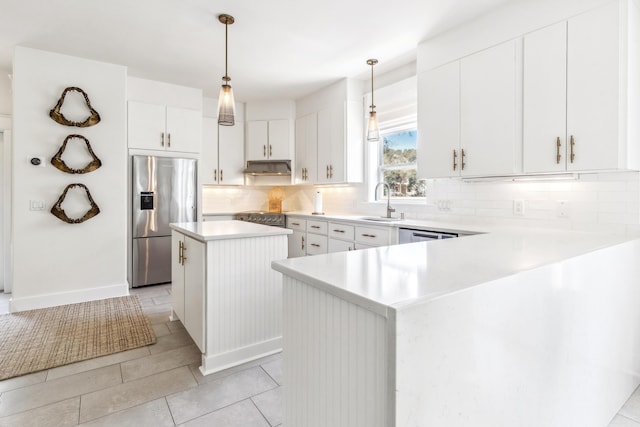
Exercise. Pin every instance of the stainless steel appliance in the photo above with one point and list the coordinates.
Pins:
(259, 217)
(409, 235)
(164, 191)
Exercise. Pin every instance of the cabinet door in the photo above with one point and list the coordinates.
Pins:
(177, 276)
(279, 139)
(307, 149)
(297, 244)
(544, 99)
(336, 245)
(439, 122)
(593, 88)
(331, 144)
(316, 244)
(257, 140)
(194, 286)
(231, 154)
(146, 126)
(209, 157)
(184, 130)
(488, 111)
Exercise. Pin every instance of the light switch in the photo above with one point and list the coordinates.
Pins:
(36, 205)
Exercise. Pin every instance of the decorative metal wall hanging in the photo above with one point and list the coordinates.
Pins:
(60, 164)
(59, 213)
(58, 117)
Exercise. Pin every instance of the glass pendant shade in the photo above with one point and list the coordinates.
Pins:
(226, 106)
(373, 132)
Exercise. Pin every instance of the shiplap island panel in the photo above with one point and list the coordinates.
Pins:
(232, 304)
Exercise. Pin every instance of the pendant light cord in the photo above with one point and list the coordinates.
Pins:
(226, 51)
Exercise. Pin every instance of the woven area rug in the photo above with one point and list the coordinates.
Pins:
(40, 339)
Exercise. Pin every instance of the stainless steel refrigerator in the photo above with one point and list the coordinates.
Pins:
(164, 191)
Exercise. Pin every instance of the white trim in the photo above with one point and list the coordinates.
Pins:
(6, 199)
(219, 362)
(69, 297)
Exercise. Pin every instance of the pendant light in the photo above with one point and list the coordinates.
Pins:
(226, 103)
(373, 132)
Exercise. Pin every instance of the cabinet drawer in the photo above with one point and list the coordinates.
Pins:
(297, 224)
(340, 245)
(372, 236)
(341, 231)
(316, 244)
(318, 227)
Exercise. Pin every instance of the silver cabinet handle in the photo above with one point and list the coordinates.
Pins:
(316, 245)
(315, 226)
(303, 243)
(168, 140)
(338, 231)
(162, 139)
(368, 235)
(221, 175)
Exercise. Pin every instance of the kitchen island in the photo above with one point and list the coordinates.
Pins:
(224, 291)
(526, 328)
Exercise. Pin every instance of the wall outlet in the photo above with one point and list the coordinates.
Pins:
(562, 209)
(518, 207)
(36, 205)
(444, 204)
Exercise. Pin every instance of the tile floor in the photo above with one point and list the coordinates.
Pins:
(160, 385)
(157, 385)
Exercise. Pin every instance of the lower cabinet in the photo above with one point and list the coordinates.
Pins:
(187, 284)
(318, 236)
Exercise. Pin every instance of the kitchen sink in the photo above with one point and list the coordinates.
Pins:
(380, 219)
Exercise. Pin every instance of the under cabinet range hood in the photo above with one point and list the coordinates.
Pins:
(268, 168)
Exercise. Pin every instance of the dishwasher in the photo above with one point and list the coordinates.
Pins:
(410, 235)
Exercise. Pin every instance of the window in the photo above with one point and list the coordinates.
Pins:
(398, 160)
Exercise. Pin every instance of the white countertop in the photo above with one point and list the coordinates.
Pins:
(403, 275)
(221, 230)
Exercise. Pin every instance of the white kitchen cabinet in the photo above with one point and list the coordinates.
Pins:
(467, 116)
(336, 245)
(297, 239)
(439, 153)
(488, 111)
(544, 99)
(268, 139)
(188, 284)
(339, 143)
(372, 236)
(307, 149)
(160, 127)
(603, 64)
(222, 153)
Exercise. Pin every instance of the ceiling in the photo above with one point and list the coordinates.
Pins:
(281, 49)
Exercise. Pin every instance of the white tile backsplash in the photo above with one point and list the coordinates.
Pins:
(607, 202)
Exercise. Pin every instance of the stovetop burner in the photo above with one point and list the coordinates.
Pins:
(261, 217)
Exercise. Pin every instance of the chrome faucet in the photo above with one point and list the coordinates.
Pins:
(390, 210)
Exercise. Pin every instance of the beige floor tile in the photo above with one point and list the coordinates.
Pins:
(161, 329)
(133, 393)
(42, 394)
(60, 414)
(23, 381)
(241, 414)
(98, 362)
(157, 309)
(270, 405)
(168, 342)
(621, 421)
(274, 369)
(165, 299)
(160, 362)
(175, 326)
(151, 291)
(151, 414)
(217, 394)
(631, 408)
(156, 318)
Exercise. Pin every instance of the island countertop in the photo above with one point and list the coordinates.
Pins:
(222, 230)
(398, 276)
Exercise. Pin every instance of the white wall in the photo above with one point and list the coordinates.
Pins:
(5, 93)
(55, 262)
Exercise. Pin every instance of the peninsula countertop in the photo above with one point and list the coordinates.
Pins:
(222, 230)
(393, 277)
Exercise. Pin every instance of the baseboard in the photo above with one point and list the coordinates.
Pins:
(70, 297)
(219, 362)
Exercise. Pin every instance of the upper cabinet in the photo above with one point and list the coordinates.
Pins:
(160, 127)
(222, 160)
(577, 93)
(467, 115)
(306, 149)
(268, 139)
(556, 99)
(335, 114)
